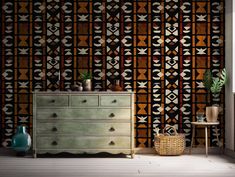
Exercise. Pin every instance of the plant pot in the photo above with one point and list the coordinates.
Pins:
(212, 113)
(86, 85)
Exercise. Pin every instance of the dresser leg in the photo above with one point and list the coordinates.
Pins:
(34, 154)
(206, 141)
(132, 154)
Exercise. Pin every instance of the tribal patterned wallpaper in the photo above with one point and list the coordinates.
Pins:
(159, 49)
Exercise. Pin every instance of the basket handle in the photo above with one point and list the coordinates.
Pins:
(173, 127)
(157, 131)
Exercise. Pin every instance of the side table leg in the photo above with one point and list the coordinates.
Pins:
(217, 137)
(193, 135)
(206, 141)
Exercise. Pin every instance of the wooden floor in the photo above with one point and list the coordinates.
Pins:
(196, 165)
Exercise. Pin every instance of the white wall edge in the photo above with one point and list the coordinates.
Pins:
(233, 43)
(230, 86)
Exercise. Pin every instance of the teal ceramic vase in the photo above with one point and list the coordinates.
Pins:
(21, 141)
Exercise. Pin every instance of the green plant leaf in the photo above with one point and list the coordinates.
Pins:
(223, 77)
(207, 80)
(216, 86)
(85, 76)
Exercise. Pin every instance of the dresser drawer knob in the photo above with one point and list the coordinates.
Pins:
(112, 115)
(114, 101)
(111, 143)
(54, 143)
(54, 129)
(112, 129)
(84, 101)
(54, 115)
(53, 101)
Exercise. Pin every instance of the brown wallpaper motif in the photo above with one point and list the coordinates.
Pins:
(158, 49)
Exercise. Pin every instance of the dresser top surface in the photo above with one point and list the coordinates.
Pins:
(83, 92)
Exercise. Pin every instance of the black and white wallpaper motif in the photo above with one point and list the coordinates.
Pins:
(158, 49)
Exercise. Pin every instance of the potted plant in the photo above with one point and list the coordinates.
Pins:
(86, 81)
(214, 85)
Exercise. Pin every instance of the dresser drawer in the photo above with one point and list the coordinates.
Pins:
(84, 142)
(80, 128)
(84, 100)
(52, 100)
(84, 113)
(115, 100)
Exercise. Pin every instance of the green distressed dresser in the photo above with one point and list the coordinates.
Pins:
(83, 122)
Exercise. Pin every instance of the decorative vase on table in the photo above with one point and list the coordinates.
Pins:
(212, 113)
(116, 86)
(21, 141)
(77, 86)
(200, 117)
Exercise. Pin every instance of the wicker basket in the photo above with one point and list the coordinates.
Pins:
(169, 144)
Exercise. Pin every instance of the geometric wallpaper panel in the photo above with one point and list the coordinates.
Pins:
(158, 49)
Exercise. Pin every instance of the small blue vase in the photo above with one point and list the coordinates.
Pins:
(21, 141)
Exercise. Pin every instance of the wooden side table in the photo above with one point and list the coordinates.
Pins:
(205, 124)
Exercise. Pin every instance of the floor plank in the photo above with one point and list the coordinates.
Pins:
(142, 166)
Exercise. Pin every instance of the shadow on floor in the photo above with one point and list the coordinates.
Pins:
(8, 152)
(85, 155)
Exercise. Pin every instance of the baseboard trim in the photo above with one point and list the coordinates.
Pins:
(145, 150)
(229, 152)
(196, 150)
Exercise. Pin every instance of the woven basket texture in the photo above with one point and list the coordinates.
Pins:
(166, 144)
